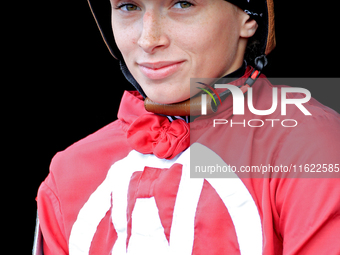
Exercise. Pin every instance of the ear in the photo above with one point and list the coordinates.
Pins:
(248, 27)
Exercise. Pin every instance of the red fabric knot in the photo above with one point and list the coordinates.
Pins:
(151, 133)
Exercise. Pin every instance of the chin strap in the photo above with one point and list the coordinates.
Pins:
(192, 106)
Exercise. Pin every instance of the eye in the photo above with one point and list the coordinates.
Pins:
(129, 7)
(183, 5)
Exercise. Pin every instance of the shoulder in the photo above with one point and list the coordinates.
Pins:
(81, 168)
(77, 172)
(304, 116)
(320, 128)
(92, 154)
(314, 141)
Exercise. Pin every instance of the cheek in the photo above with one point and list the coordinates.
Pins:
(126, 39)
(207, 39)
(124, 43)
(211, 41)
(214, 48)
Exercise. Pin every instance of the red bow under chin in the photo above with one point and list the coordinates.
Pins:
(155, 134)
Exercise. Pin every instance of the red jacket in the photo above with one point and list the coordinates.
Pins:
(110, 193)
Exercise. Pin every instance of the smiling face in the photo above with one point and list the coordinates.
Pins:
(164, 43)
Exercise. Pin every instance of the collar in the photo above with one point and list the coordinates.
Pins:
(150, 133)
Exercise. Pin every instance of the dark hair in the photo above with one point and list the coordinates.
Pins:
(253, 49)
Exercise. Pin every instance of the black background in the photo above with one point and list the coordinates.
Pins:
(63, 83)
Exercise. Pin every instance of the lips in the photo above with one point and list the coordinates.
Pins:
(159, 70)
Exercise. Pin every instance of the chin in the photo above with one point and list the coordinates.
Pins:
(167, 98)
(167, 93)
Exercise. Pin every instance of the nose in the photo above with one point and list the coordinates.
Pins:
(152, 37)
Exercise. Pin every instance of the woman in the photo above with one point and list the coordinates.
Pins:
(126, 189)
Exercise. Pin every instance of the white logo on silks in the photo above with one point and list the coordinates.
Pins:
(147, 232)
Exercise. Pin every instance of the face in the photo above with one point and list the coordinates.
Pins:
(164, 43)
